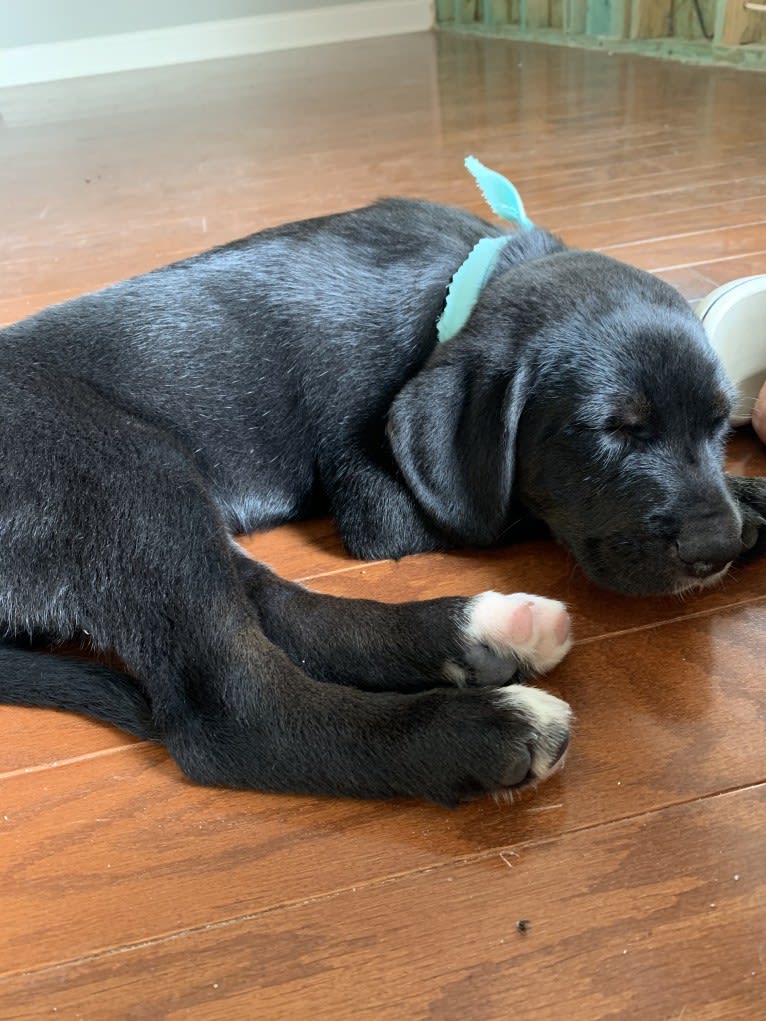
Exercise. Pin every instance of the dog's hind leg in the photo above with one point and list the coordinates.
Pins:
(110, 530)
(488, 639)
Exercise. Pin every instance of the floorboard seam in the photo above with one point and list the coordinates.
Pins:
(681, 234)
(704, 262)
(691, 189)
(694, 615)
(87, 757)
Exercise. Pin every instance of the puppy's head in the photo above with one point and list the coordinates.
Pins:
(584, 392)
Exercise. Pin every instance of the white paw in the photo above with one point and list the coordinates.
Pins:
(550, 718)
(530, 629)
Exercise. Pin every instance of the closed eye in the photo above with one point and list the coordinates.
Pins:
(632, 433)
(720, 410)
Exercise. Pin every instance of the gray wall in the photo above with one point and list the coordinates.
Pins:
(24, 22)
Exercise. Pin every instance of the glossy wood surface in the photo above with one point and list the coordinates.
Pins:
(640, 870)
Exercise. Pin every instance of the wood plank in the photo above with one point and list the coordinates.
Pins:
(44, 738)
(741, 213)
(686, 19)
(653, 224)
(692, 282)
(659, 916)
(730, 269)
(575, 16)
(86, 259)
(495, 12)
(668, 202)
(281, 176)
(544, 570)
(86, 187)
(737, 25)
(579, 191)
(574, 213)
(303, 550)
(54, 257)
(191, 198)
(693, 248)
(535, 14)
(466, 11)
(650, 19)
(127, 851)
(590, 180)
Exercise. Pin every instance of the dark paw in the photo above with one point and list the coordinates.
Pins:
(750, 494)
(496, 742)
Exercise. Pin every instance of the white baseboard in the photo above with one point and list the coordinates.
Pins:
(183, 44)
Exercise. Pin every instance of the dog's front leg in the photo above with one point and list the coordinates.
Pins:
(485, 640)
(376, 514)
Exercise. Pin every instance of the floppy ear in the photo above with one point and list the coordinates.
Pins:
(453, 433)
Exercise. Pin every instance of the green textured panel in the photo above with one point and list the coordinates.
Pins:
(575, 15)
(693, 51)
(605, 17)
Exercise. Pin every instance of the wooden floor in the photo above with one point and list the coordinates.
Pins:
(641, 869)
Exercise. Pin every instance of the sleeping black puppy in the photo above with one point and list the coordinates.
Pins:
(298, 369)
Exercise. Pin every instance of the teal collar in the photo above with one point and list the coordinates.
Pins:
(470, 280)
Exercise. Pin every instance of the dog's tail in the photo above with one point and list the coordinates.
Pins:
(60, 682)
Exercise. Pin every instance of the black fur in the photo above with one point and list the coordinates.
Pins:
(298, 370)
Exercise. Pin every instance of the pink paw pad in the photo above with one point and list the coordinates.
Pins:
(532, 628)
(520, 624)
(562, 625)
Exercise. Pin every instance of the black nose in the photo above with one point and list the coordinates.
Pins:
(704, 558)
(710, 536)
